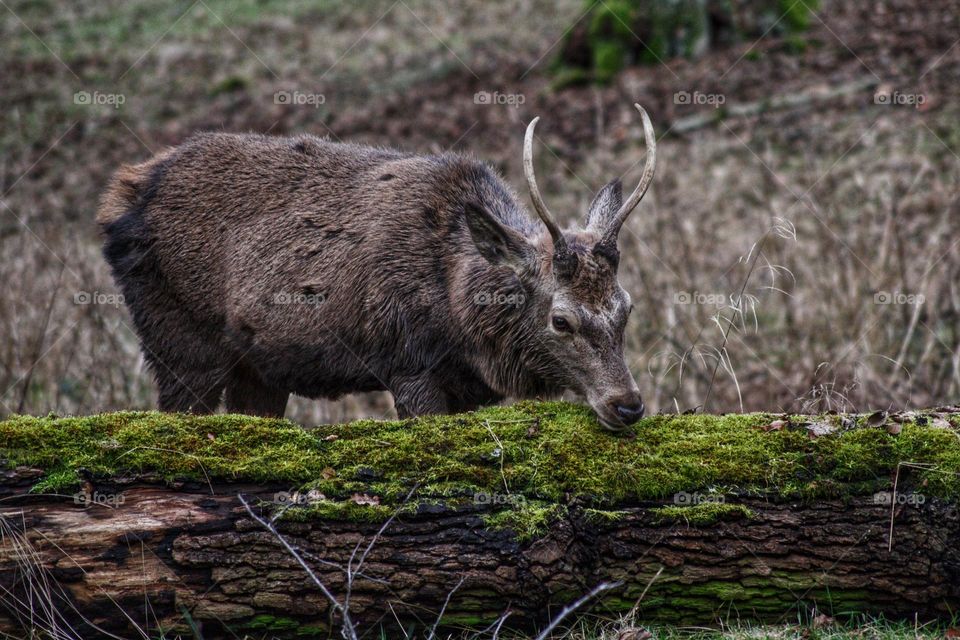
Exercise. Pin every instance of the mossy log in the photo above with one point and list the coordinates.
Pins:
(133, 519)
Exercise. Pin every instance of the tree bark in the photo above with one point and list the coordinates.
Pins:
(176, 557)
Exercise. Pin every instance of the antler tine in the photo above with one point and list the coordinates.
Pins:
(559, 243)
(650, 165)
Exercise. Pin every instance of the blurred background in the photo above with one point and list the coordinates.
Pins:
(798, 251)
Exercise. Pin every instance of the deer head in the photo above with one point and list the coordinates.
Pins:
(587, 309)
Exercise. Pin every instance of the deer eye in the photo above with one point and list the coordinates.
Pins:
(561, 324)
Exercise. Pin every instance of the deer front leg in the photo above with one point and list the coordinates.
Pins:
(418, 395)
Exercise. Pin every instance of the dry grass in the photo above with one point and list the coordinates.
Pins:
(824, 208)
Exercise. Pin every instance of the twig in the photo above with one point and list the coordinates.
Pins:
(348, 629)
(570, 608)
(503, 476)
(41, 592)
(730, 321)
(896, 481)
(503, 618)
(636, 606)
(351, 571)
(443, 609)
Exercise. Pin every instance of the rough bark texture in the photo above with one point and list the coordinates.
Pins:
(169, 556)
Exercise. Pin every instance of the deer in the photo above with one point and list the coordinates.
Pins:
(255, 267)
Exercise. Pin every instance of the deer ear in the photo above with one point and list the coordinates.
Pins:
(495, 241)
(605, 206)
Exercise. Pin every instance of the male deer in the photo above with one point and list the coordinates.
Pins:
(263, 266)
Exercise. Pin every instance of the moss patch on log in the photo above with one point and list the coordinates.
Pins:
(521, 460)
(703, 514)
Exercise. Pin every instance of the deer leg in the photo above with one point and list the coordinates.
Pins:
(417, 396)
(188, 393)
(247, 394)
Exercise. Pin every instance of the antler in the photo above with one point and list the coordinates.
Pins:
(559, 243)
(649, 166)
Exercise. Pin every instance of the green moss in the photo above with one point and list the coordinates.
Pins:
(227, 447)
(703, 514)
(338, 510)
(266, 622)
(528, 520)
(601, 516)
(518, 461)
(57, 482)
(272, 623)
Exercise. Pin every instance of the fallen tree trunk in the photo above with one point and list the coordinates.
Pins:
(481, 514)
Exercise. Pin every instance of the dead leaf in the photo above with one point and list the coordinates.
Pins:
(952, 633)
(822, 620)
(332, 437)
(776, 425)
(818, 429)
(534, 430)
(364, 499)
(877, 419)
(894, 428)
(328, 473)
(940, 423)
(634, 633)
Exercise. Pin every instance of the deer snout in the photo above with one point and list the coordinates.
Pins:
(621, 411)
(629, 411)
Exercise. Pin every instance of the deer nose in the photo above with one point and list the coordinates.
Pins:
(629, 412)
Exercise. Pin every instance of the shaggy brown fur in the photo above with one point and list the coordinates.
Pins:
(264, 266)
